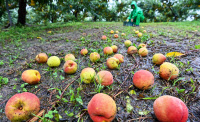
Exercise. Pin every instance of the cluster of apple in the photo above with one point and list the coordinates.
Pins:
(102, 107)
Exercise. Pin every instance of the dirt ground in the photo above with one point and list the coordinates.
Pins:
(160, 38)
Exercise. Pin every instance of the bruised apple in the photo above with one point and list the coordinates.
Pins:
(112, 63)
(102, 108)
(70, 67)
(168, 71)
(41, 58)
(31, 76)
(131, 50)
(170, 109)
(22, 106)
(104, 77)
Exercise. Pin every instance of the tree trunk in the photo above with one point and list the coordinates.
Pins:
(95, 18)
(22, 12)
(9, 16)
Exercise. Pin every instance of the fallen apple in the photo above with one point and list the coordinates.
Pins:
(112, 63)
(123, 34)
(116, 35)
(127, 43)
(170, 109)
(41, 58)
(168, 71)
(104, 37)
(104, 77)
(22, 106)
(94, 57)
(120, 57)
(143, 51)
(143, 79)
(112, 31)
(83, 52)
(70, 67)
(102, 108)
(108, 51)
(117, 32)
(139, 34)
(114, 47)
(53, 61)
(88, 75)
(31, 76)
(131, 50)
(158, 58)
(70, 57)
(136, 32)
(142, 45)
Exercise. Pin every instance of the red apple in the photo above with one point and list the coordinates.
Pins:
(41, 58)
(104, 77)
(104, 37)
(84, 51)
(22, 106)
(143, 79)
(108, 50)
(70, 67)
(116, 36)
(31, 76)
(158, 58)
(102, 108)
(170, 109)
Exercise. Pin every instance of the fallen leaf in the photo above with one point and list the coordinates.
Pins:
(174, 54)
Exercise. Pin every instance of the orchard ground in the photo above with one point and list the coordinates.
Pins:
(19, 46)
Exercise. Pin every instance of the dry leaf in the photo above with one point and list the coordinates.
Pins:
(174, 54)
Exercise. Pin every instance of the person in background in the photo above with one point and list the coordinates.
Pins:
(136, 15)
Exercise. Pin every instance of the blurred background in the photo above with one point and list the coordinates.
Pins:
(51, 11)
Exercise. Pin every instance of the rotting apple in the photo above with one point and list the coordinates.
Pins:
(168, 71)
(116, 35)
(41, 58)
(131, 50)
(114, 47)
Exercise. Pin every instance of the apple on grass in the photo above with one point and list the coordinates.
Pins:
(70, 67)
(123, 34)
(94, 57)
(116, 36)
(120, 57)
(41, 58)
(104, 37)
(84, 51)
(170, 109)
(108, 50)
(127, 43)
(114, 47)
(70, 57)
(143, 79)
(136, 32)
(142, 45)
(158, 58)
(131, 50)
(116, 32)
(88, 75)
(143, 51)
(112, 63)
(22, 106)
(168, 71)
(102, 108)
(112, 31)
(31, 76)
(104, 77)
(139, 34)
(53, 61)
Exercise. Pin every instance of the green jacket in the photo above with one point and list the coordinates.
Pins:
(137, 10)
